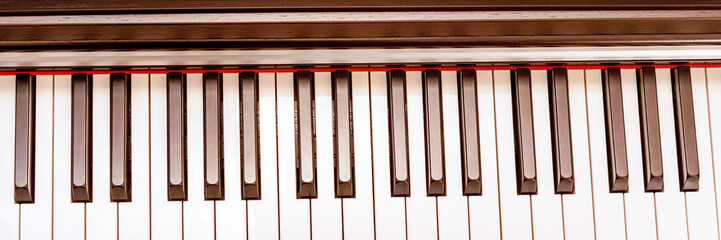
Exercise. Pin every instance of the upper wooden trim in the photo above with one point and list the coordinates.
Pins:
(12, 7)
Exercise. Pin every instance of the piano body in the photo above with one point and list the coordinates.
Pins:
(363, 119)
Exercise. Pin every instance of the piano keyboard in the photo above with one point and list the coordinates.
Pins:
(448, 152)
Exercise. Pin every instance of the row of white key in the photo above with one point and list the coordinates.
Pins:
(592, 212)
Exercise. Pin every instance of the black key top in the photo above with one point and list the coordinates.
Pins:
(343, 134)
(398, 135)
(213, 135)
(120, 158)
(523, 131)
(686, 146)
(177, 133)
(615, 130)
(469, 131)
(650, 130)
(305, 134)
(25, 138)
(249, 136)
(433, 122)
(562, 149)
(82, 138)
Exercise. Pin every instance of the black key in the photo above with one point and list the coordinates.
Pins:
(469, 131)
(82, 138)
(650, 129)
(120, 158)
(249, 136)
(686, 147)
(213, 135)
(615, 130)
(305, 134)
(25, 138)
(343, 134)
(177, 133)
(398, 135)
(562, 149)
(433, 123)
(523, 131)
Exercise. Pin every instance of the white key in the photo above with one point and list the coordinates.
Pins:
(484, 214)
(167, 219)
(9, 224)
(713, 80)
(326, 209)
(515, 209)
(421, 209)
(101, 213)
(134, 216)
(198, 214)
(68, 217)
(230, 213)
(609, 213)
(547, 218)
(702, 221)
(452, 208)
(358, 211)
(640, 215)
(578, 207)
(294, 213)
(389, 211)
(263, 214)
(36, 219)
(670, 204)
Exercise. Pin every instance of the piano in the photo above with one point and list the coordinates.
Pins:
(360, 120)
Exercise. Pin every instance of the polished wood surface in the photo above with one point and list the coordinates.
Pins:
(137, 6)
(329, 29)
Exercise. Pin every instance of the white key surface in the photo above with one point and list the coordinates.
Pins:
(452, 208)
(609, 213)
(358, 211)
(389, 211)
(68, 217)
(101, 213)
(294, 213)
(326, 209)
(671, 203)
(134, 216)
(167, 219)
(546, 205)
(420, 208)
(9, 224)
(36, 219)
(702, 221)
(515, 209)
(198, 214)
(713, 78)
(483, 211)
(230, 213)
(263, 214)
(640, 207)
(578, 207)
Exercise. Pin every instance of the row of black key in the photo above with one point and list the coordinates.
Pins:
(81, 169)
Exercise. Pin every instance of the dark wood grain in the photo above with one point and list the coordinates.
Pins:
(524, 29)
(137, 6)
